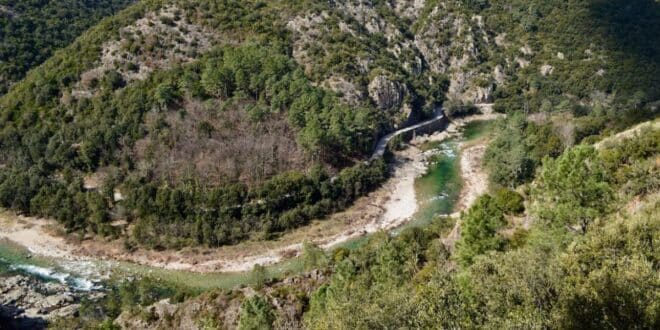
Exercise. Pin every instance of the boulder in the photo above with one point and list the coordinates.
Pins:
(547, 69)
(28, 303)
(51, 303)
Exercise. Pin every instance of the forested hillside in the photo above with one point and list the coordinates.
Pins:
(573, 249)
(576, 252)
(32, 30)
(212, 122)
(186, 123)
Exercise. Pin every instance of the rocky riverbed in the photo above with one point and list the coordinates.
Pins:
(28, 303)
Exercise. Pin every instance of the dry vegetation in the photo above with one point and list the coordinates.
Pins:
(217, 142)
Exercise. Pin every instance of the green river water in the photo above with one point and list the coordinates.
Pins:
(437, 193)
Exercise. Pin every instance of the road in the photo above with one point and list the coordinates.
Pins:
(379, 151)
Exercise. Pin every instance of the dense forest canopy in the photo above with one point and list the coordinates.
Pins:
(32, 30)
(250, 102)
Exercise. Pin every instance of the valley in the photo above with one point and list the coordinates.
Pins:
(387, 208)
(345, 164)
(401, 202)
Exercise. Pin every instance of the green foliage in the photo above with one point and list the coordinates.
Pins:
(542, 140)
(512, 290)
(479, 230)
(371, 283)
(259, 276)
(509, 201)
(313, 256)
(585, 32)
(127, 295)
(605, 278)
(327, 129)
(256, 314)
(145, 291)
(611, 276)
(507, 158)
(573, 188)
(32, 30)
(230, 213)
(618, 158)
(518, 148)
(166, 95)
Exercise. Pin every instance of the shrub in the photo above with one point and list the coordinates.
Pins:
(479, 230)
(256, 314)
(509, 201)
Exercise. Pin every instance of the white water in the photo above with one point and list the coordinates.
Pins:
(437, 198)
(77, 283)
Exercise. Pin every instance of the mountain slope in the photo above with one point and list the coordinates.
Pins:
(31, 31)
(540, 272)
(211, 122)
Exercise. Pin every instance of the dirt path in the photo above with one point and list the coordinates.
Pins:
(386, 208)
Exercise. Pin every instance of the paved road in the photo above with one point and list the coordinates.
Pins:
(486, 108)
(382, 143)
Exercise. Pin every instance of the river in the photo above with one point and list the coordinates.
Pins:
(437, 193)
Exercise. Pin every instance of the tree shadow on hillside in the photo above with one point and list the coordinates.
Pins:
(633, 25)
(630, 28)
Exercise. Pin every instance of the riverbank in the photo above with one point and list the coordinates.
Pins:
(387, 208)
(475, 178)
(27, 303)
(38, 236)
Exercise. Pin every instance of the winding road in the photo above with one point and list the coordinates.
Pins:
(379, 151)
(439, 116)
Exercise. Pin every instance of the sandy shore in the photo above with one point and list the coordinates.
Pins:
(386, 208)
(475, 184)
(475, 178)
(34, 234)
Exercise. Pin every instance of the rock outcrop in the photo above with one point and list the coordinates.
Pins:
(221, 310)
(386, 94)
(547, 69)
(378, 47)
(26, 303)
